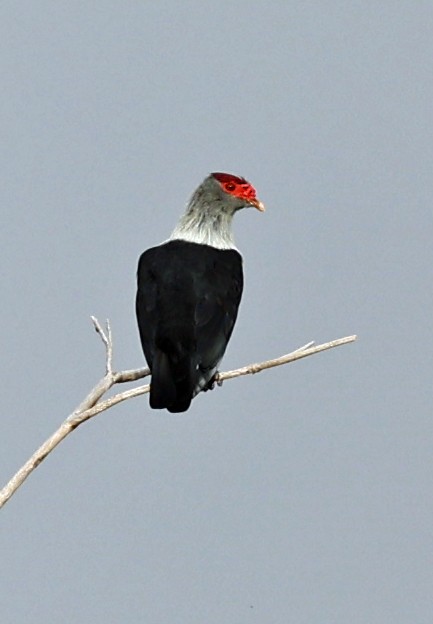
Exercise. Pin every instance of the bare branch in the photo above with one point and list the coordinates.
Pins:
(132, 375)
(99, 330)
(107, 339)
(91, 406)
(306, 346)
(109, 365)
(300, 353)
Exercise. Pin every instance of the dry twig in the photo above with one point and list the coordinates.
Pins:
(92, 404)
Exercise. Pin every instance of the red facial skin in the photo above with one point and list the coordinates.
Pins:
(239, 187)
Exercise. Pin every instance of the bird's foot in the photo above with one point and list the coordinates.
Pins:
(214, 381)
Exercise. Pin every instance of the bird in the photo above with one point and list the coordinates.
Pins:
(188, 293)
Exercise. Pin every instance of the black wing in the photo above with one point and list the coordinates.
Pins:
(187, 303)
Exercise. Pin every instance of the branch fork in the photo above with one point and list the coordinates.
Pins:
(92, 404)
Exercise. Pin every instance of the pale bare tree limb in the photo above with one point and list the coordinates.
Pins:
(108, 342)
(92, 404)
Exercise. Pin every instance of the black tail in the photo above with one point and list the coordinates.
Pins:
(172, 383)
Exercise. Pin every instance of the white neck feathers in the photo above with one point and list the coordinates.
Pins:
(205, 227)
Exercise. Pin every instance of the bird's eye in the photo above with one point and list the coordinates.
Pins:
(230, 186)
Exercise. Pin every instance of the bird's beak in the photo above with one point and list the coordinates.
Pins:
(257, 204)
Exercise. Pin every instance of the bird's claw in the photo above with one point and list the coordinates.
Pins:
(215, 381)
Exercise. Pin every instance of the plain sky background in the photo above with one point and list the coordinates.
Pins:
(302, 495)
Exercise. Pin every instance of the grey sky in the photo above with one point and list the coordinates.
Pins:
(302, 495)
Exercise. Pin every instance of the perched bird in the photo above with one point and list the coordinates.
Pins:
(189, 290)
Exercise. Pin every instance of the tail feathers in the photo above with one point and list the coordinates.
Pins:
(172, 383)
(162, 387)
